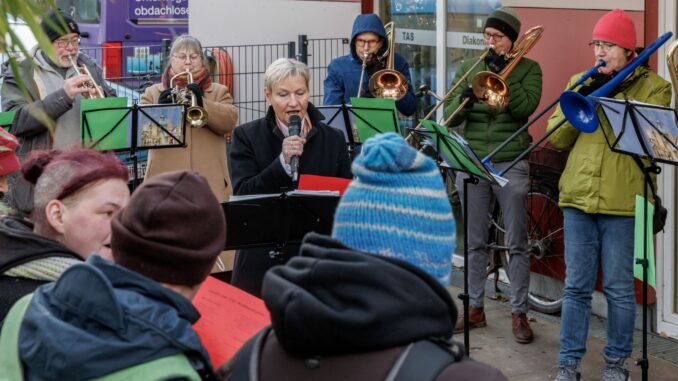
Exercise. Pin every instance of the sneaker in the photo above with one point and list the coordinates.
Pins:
(615, 369)
(568, 373)
(476, 319)
(521, 329)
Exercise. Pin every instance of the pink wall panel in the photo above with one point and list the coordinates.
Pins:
(562, 50)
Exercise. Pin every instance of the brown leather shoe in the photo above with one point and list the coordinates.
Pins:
(476, 319)
(521, 329)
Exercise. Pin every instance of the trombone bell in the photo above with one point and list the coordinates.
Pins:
(388, 83)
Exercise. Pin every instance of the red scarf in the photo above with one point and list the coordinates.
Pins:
(200, 76)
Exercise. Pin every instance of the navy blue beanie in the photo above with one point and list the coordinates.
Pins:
(397, 207)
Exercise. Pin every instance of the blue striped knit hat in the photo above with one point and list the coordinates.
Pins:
(397, 207)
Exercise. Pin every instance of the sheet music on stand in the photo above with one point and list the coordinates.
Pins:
(362, 119)
(109, 124)
(278, 219)
(455, 152)
(656, 137)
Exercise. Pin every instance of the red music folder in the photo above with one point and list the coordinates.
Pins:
(321, 183)
(229, 317)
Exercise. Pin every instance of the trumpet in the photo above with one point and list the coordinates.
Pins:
(196, 116)
(90, 83)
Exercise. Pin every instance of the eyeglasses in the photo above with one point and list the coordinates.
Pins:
(605, 46)
(192, 57)
(361, 42)
(496, 37)
(62, 43)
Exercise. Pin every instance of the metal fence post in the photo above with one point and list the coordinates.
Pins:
(303, 49)
(164, 52)
(291, 49)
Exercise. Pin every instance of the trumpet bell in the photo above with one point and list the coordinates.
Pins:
(390, 84)
(196, 116)
(491, 89)
(579, 111)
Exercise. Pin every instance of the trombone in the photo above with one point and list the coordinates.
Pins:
(388, 83)
(90, 83)
(488, 87)
(196, 116)
(486, 159)
(491, 88)
(580, 110)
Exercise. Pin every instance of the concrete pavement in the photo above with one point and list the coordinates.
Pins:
(494, 345)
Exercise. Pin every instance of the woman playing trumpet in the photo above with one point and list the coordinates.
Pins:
(206, 147)
(486, 127)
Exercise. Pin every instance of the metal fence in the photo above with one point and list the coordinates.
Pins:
(249, 63)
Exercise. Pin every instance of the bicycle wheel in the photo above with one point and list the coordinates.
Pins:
(547, 251)
(545, 245)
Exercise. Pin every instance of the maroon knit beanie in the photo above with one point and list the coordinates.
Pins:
(616, 27)
(171, 231)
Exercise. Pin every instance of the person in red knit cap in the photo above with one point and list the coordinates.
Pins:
(9, 162)
(597, 194)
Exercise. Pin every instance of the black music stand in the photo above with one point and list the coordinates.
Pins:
(277, 220)
(455, 153)
(128, 129)
(649, 132)
(357, 124)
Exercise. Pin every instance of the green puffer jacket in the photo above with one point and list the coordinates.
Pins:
(487, 127)
(597, 180)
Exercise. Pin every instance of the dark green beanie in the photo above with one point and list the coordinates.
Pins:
(506, 20)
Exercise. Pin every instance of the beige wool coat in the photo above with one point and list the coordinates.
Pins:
(205, 150)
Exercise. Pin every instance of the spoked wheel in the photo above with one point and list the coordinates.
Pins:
(546, 248)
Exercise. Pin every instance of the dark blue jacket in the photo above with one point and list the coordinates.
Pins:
(343, 73)
(99, 318)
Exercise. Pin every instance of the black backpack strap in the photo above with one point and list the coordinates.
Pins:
(424, 360)
(246, 361)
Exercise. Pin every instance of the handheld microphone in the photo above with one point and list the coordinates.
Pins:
(294, 126)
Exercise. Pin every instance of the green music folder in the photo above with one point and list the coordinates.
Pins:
(374, 116)
(105, 129)
(6, 119)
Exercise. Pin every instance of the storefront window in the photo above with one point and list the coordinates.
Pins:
(416, 39)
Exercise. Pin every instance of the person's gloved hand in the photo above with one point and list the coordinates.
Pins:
(467, 94)
(597, 81)
(495, 62)
(165, 97)
(197, 91)
(374, 65)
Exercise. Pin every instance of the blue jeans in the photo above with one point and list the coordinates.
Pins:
(591, 239)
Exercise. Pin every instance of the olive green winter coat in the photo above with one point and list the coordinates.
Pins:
(487, 127)
(597, 180)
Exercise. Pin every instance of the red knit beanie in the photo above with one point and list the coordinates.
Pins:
(616, 27)
(171, 231)
(9, 162)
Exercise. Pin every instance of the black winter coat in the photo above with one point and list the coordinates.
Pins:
(351, 314)
(256, 169)
(19, 245)
(255, 155)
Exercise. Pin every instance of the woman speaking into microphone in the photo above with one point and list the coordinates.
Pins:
(268, 153)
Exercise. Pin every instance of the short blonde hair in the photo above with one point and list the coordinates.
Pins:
(282, 68)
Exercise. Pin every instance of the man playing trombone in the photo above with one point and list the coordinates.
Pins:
(50, 116)
(348, 76)
(488, 125)
(597, 195)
